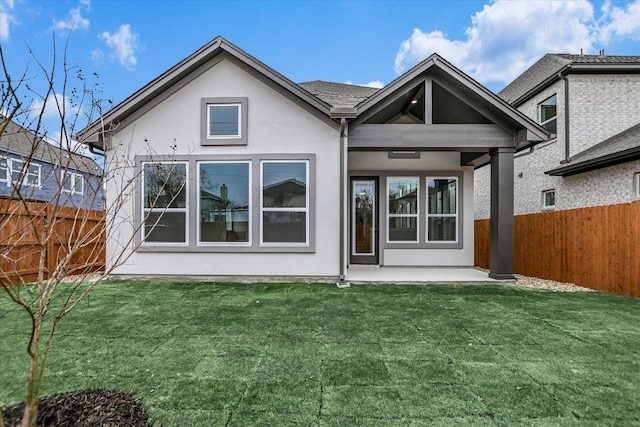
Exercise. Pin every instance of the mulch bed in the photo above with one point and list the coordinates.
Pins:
(86, 408)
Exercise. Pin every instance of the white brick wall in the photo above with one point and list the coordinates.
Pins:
(600, 107)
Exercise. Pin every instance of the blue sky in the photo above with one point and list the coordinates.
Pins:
(128, 43)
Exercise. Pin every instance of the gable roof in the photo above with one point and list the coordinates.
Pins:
(169, 81)
(466, 86)
(21, 142)
(338, 95)
(546, 71)
(620, 148)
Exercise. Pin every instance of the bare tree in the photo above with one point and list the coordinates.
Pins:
(63, 244)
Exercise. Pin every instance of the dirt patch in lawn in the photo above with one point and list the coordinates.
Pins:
(85, 408)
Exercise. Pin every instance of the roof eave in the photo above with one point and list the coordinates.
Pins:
(597, 163)
(92, 133)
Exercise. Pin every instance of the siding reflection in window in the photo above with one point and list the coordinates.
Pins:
(442, 212)
(402, 209)
(224, 202)
(285, 202)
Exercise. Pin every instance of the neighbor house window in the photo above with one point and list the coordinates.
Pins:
(284, 199)
(224, 121)
(72, 182)
(165, 203)
(442, 209)
(14, 171)
(549, 113)
(548, 199)
(636, 179)
(402, 209)
(224, 202)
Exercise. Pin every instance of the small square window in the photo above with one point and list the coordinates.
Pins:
(223, 121)
(549, 199)
(549, 114)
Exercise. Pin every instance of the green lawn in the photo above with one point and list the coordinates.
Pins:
(295, 355)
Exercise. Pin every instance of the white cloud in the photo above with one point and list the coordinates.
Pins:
(375, 84)
(52, 107)
(6, 19)
(74, 21)
(505, 37)
(123, 44)
(620, 23)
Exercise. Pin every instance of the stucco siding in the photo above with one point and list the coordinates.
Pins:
(276, 125)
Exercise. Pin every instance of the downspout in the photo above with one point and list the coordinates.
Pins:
(567, 157)
(343, 136)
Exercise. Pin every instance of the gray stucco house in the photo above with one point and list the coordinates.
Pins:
(241, 172)
(591, 103)
(34, 170)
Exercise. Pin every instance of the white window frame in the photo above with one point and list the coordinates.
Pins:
(544, 199)
(17, 165)
(416, 215)
(238, 118)
(428, 215)
(73, 179)
(554, 118)
(6, 171)
(306, 243)
(184, 210)
(636, 180)
(248, 243)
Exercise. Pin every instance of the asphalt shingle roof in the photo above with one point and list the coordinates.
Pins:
(19, 141)
(616, 149)
(552, 63)
(338, 94)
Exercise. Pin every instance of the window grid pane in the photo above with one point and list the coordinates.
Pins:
(402, 209)
(284, 200)
(165, 202)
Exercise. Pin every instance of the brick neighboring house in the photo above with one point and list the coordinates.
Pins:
(576, 210)
(592, 103)
(36, 174)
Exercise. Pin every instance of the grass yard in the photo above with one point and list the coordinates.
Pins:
(206, 354)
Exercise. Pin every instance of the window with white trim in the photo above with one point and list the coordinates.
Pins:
(636, 180)
(549, 114)
(14, 171)
(72, 182)
(284, 202)
(223, 121)
(549, 199)
(402, 209)
(442, 209)
(164, 203)
(224, 202)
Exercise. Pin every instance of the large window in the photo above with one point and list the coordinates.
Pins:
(224, 121)
(402, 209)
(224, 202)
(72, 182)
(165, 203)
(284, 202)
(442, 210)
(548, 114)
(14, 171)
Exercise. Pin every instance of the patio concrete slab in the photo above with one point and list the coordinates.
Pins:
(417, 275)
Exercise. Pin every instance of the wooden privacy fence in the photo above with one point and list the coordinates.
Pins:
(597, 247)
(23, 238)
